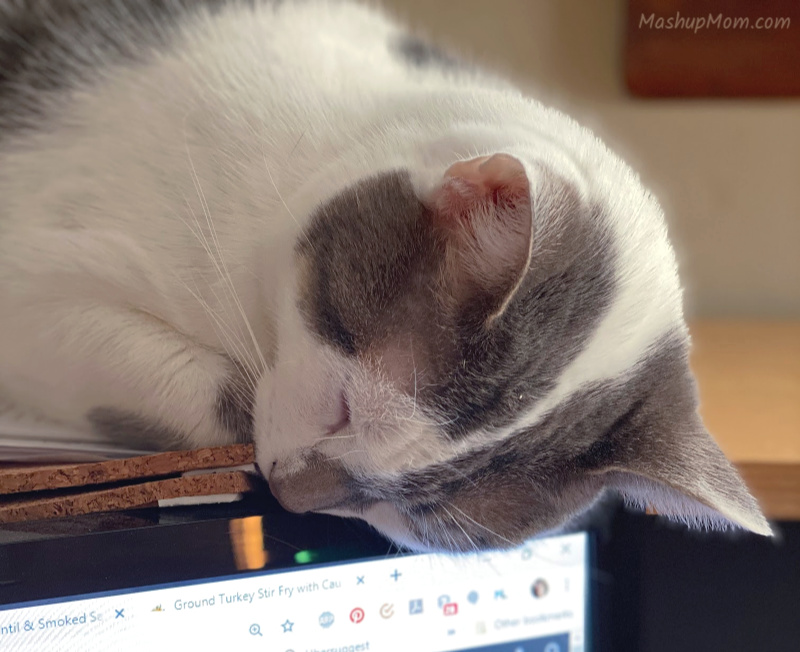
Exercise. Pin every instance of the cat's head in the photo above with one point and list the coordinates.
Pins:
(473, 364)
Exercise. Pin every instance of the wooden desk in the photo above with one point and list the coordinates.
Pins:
(749, 377)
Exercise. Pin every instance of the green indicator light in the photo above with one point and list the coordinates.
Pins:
(305, 556)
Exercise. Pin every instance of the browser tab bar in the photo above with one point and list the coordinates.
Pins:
(532, 599)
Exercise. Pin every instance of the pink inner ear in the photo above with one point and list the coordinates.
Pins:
(489, 173)
(484, 208)
(495, 179)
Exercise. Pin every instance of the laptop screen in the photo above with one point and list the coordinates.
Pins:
(530, 599)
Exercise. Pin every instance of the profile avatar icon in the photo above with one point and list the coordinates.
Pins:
(540, 588)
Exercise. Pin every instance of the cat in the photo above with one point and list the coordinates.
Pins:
(432, 303)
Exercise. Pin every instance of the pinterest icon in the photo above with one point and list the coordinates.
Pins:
(357, 615)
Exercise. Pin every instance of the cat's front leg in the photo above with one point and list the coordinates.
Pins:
(125, 375)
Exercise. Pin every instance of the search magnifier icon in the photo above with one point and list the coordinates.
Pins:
(255, 630)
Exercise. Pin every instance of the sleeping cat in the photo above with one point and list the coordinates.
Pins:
(431, 302)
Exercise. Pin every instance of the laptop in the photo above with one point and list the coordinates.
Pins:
(251, 577)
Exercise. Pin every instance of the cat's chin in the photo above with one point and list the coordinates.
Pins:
(389, 522)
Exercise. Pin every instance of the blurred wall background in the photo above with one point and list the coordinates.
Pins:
(726, 171)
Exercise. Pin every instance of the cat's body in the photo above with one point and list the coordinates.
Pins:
(431, 301)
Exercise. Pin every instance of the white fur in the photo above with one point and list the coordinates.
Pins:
(129, 260)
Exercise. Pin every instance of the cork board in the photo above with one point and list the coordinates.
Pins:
(23, 478)
(49, 491)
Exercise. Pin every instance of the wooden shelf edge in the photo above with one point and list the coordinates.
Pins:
(777, 488)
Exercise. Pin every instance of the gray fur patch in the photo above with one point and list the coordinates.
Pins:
(368, 256)
(373, 260)
(234, 407)
(422, 54)
(134, 430)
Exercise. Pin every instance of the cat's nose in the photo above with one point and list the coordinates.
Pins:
(318, 485)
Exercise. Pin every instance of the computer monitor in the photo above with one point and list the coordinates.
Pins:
(531, 599)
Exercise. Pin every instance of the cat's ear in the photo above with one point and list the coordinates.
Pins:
(483, 205)
(677, 470)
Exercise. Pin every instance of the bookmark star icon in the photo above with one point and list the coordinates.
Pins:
(287, 626)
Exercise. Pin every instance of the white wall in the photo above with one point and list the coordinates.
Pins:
(727, 171)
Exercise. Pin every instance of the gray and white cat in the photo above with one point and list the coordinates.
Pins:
(432, 302)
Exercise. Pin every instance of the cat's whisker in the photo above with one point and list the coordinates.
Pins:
(454, 468)
(241, 401)
(426, 422)
(199, 233)
(435, 530)
(345, 454)
(243, 389)
(480, 525)
(422, 532)
(326, 437)
(235, 339)
(261, 365)
(432, 528)
(414, 363)
(429, 535)
(241, 354)
(329, 437)
(302, 135)
(460, 527)
(236, 347)
(248, 361)
(283, 201)
(227, 275)
(222, 329)
(451, 539)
